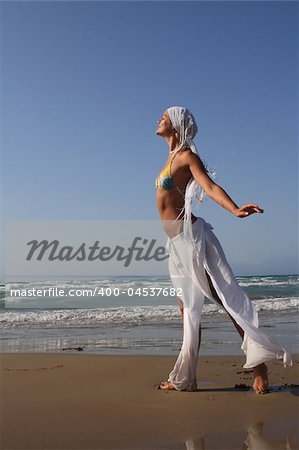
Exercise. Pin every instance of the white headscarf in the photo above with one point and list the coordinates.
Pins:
(184, 123)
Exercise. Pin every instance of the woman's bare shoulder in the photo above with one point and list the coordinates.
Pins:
(188, 157)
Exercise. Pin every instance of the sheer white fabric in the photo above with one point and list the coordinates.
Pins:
(187, 271)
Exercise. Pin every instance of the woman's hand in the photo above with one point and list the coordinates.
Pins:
(246, 210)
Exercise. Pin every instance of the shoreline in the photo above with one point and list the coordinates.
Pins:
(83, 401)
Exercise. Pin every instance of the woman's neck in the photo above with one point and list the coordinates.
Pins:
(172, 142)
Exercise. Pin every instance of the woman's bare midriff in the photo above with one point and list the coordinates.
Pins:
(170, 204)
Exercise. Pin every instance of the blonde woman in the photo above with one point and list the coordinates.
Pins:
(197, 264)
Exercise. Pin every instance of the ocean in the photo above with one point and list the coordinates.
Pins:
(136, 315)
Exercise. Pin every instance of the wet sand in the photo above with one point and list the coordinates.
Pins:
(79, 401)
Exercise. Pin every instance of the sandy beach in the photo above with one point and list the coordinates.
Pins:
(79, 401)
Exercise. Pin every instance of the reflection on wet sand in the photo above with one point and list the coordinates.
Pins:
(255, 440)
(195, 444)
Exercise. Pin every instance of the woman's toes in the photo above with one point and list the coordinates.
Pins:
(167, 386)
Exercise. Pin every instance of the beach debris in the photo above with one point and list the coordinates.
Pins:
(79, 349)
(38, 368)
(242, 386)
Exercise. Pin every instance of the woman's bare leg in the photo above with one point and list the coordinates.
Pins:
(260, 372)
(216, 297)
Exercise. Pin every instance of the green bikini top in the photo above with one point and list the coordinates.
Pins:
(165, 179)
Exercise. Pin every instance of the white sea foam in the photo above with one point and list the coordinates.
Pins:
(124, 316)
(270, 283)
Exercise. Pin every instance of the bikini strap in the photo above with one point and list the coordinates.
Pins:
(172, 162)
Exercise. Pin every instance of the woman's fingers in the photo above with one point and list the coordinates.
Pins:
(248, 209)
(253, 206)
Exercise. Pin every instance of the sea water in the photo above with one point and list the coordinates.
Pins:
(136, 315)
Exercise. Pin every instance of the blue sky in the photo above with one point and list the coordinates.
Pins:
(83, 84)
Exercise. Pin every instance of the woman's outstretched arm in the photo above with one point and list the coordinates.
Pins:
(214, 191)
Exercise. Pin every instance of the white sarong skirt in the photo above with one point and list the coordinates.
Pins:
(188, 265)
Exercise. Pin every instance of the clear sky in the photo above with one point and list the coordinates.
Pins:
(83, 84)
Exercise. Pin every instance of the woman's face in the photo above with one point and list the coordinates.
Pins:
(165, 127)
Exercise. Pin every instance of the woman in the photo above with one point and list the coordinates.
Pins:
(197, 264)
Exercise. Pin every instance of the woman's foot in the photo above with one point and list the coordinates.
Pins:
(168, 386)
(260, 382)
